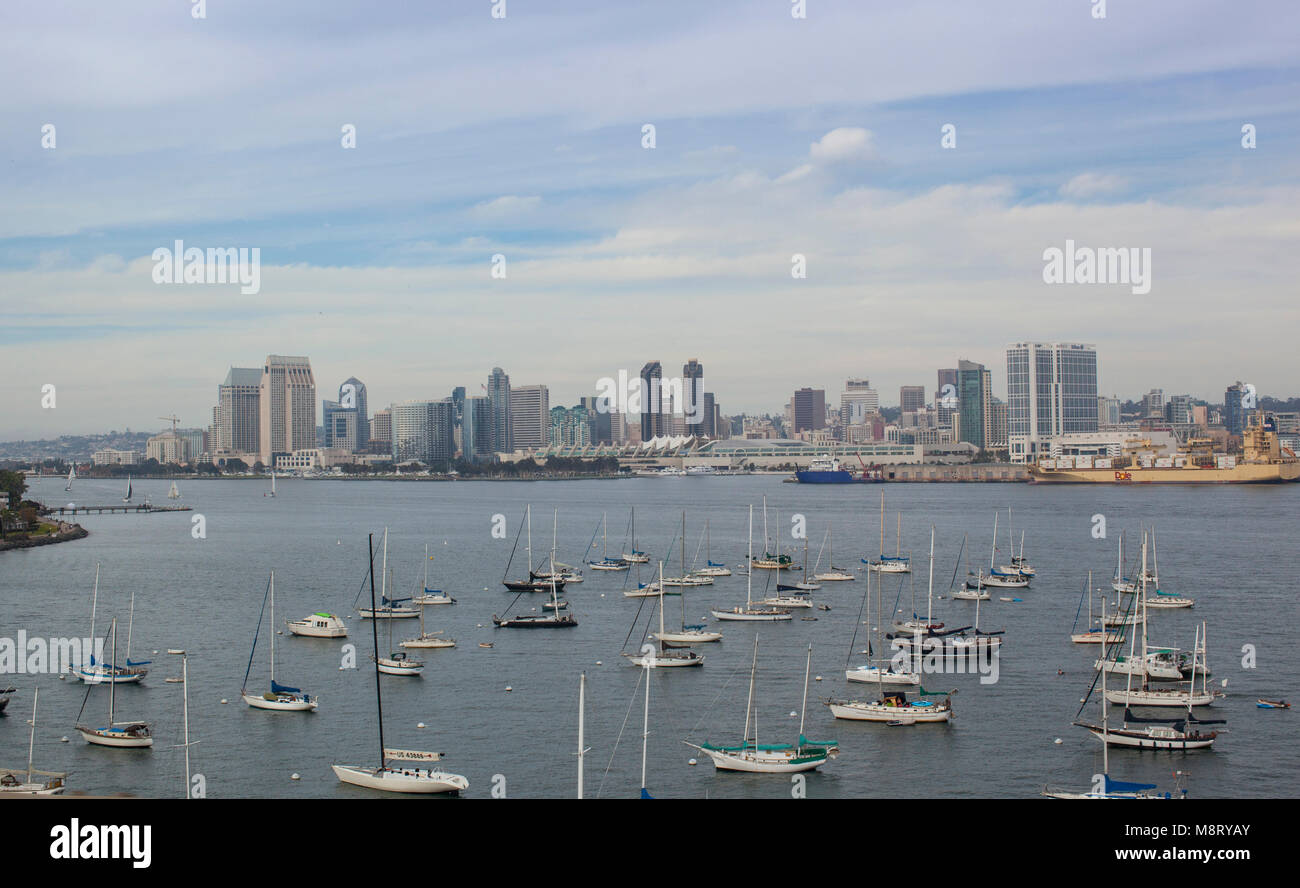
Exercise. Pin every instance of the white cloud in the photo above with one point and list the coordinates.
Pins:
(1092, 184)
(841, 144)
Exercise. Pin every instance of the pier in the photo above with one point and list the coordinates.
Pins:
(101, 510)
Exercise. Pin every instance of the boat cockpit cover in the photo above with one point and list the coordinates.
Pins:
(644, 794)
(282, 689)
(131, 662)
(1122, 786)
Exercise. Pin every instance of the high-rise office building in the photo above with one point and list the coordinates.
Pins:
(1235, 399)
(709, 426)
(570, 426)
(654, 422)
(809, 410)
(352, 395)
(911, 398)
(477, 441)
(498, 392)
(340, 426)
(1107, 411)
(458, 401)
(287, 407)
(975, 399)
(530, 415)
(1051, 391)
(946, 403)
(381, 431)
(692, 406)
(423, 431)
(858, 401)
(1153, 404)
(237, 422)
(997, 424)
(602, 420)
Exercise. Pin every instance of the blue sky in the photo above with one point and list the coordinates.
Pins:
(522, 136)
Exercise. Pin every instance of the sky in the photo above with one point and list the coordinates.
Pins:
(523, 137)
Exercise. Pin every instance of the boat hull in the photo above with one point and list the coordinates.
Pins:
(879, 712)
(1145, 740)
(414, 780)
(1242, 473)
(280, 704)
(764, 762)
(739, 615)
(115, 739)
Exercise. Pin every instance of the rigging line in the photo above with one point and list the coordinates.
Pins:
(362, 586)
(713, 703)
(957, 564)
(857, 624)
(258, 632)
(513, 549)
(632, 628)
(630, 703)
(90, 685)
(1079, 610)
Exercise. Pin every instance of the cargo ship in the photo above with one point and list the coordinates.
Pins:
(829, 470)
(1262, 461)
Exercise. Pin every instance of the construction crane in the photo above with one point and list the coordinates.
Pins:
(173, 419)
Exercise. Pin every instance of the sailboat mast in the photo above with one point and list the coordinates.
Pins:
(130, 625)
(749, 703)
(645, 726)
(273, 628)
(1105, 704)
(528, 515)
(582, 711)
(882, 523)
(604, 545)
(383, 576)
(112, 685)
(765, 538)
(94, 600)
(749, 573)
(803, 708)
(31, 738)
(374, 632)
(994, 553)
(929, 595)
(185, 692)
(426, 569)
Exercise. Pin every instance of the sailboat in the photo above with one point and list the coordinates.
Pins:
(713, 568)
(683, 578)
(23, 783)
(127, 498)
(1002, 577)
(72, 476)
(122, 735)
(428, 639)
(896, 563)
(1093, 636)
(883, 674)
(1149, 696)
(271, 492)
(532, 584)
(605, 562)
(389, 609)
(636, 556)
(565, 573)
(401, 778)
(103, 673)
(279, 698)
(772, 758)
(749, 612)
(665, 656)
(1109, 789)
(1163, 600)
(1018, 563)
(768, 561)
(431, 596)
(174, 492)
(833, 573)
(800, 597)
(553, 620)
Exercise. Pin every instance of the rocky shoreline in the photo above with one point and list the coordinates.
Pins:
(64, 533)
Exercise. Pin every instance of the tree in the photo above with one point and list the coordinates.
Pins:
(14, 484)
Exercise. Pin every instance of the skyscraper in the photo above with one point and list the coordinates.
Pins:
(946, 402)
(423, 431)
(530, 414)
(381, 431)
(709, 428)
(239, 414)
(653, 421)
(1051, 390)
(693, 396)
(911, 398)
(858, 401)
(1235, 399)
(602, 420)
(809, 410)
(287, 407)
(976, 399)
(498, 392)
(477, 441)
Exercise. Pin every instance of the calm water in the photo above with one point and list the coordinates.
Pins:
(1232, 549)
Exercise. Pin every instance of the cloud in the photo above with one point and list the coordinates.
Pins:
(507, 206)
(842, 144)
(1092, 184)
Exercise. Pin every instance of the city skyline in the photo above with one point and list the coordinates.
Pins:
(1108, 133)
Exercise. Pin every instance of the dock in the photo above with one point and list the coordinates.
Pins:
(124, 508)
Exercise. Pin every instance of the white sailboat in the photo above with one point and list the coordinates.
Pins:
(173, 492)
(427, 640)
(896, 563)
(1100, 635)
(1003, 577)
(606, 563)
(833, 574)
(636, 556)
(389, 609)
(431, 596)
(712, 568)
(72, 476)
(889, 673)
(121, 735)
(92, 672)
(16, 783)
(271, 492)
(404, 778)
(127, 498)
(1163, 600)
(665, 656)
(278, 698)
(773, 758)
(749, 612)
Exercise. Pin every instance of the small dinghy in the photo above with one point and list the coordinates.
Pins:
(1272, 704)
